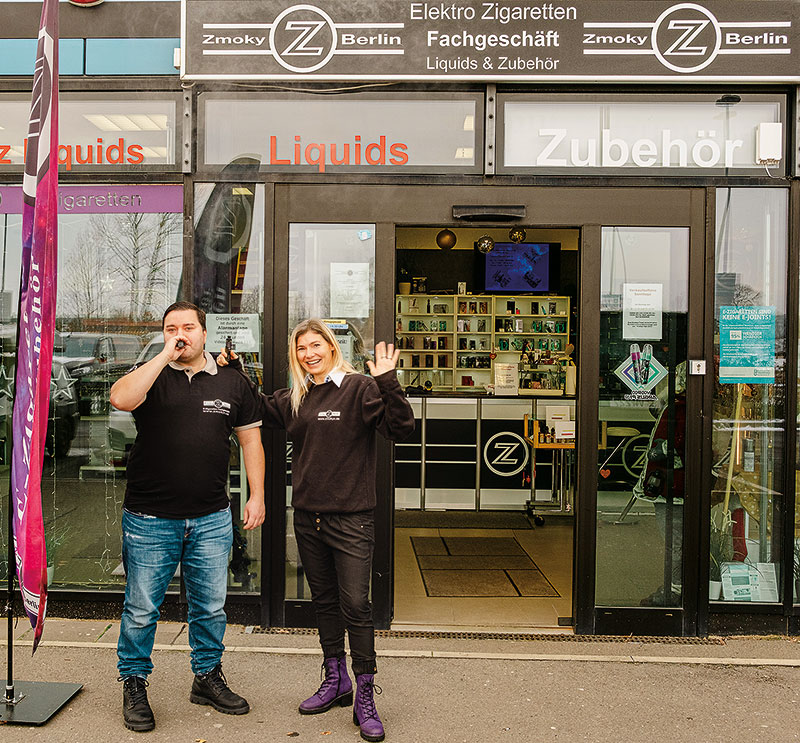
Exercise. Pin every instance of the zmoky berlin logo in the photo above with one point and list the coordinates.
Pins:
(686, 38)
(506, 453)
(302, 38)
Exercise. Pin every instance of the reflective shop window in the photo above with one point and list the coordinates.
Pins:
(332, 277)
(110, 132)
(335, 134)
(641, 461)
(228, 285)
(119, 265)
(747, 495)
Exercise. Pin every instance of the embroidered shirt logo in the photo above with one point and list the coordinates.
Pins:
(329, 415)
(217, 406)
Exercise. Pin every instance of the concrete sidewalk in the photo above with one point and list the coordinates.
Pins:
(523, 688)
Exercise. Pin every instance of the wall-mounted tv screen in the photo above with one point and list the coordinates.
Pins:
(522, 267)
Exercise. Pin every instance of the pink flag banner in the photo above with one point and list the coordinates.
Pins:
(36, 323)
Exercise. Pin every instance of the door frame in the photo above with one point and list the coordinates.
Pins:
(591, 619)
(587, 209)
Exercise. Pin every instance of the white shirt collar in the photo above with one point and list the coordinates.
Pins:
(337, 377)
(209, 368)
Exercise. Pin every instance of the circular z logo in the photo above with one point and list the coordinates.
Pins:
(506, 453)
(303, 38)
(686, 38)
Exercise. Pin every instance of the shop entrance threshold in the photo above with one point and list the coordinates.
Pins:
(459, 632)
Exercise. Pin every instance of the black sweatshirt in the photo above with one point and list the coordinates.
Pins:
(333, 435)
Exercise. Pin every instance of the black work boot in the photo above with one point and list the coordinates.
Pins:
(136, 710)
(212, 688)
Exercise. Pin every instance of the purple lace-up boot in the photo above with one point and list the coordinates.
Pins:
(364, 713)
(336, 688)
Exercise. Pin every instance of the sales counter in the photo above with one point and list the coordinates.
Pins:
(469, 452)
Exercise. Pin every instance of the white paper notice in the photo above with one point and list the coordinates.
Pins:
(349, 290)
(506, 379)
(642, 307)
(244, 330)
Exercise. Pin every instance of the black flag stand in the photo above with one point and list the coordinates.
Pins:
(27, 702)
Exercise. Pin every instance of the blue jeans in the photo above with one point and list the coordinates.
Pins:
(152, 549)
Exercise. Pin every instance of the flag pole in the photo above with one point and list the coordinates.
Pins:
(9, 696)
(34, 702)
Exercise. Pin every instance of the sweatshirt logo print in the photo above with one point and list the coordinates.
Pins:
(329, 415)
(217, 406)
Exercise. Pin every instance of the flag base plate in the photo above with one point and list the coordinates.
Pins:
(36, 701)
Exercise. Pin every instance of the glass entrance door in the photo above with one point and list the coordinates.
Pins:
(639, 303)
(642, 411)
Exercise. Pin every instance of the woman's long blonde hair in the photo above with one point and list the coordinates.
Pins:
(299, 385)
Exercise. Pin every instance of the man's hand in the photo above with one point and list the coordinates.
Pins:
(254, 513)
(172, 350)
(385, 359)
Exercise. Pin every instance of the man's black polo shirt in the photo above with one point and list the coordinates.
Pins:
(178, 465)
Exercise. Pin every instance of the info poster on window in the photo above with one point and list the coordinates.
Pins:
(244, 331)
(642, 309)
(349, 290)
(747, 345)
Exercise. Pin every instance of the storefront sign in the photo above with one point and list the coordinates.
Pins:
(642, 307)
(104, 199)
(593, 40)
(747, 345)
(403, 134)
(106, 135)
(243, 330)
(626, 134)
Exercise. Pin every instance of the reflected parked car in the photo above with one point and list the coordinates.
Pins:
(96, 361)
(121, 426)
(62, 416)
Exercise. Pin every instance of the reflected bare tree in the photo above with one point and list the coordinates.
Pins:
(136, 248)
(79, 290)
(746, 296)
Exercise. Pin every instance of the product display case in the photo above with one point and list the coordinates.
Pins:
(459, 342)
(424, 335)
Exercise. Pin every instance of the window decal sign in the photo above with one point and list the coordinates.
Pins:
(641, 372)
(111, 199)
(114, 133)
(747, 345)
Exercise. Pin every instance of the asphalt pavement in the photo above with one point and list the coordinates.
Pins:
(436, 688)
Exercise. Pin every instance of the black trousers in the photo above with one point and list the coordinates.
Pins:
(336, 551)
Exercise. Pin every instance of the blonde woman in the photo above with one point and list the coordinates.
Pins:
(332, 413)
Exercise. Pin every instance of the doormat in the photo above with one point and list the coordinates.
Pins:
(462, 520)
(479, 567)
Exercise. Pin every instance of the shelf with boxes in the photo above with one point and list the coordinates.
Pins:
(424, 334)
(454, 342)
(532, 332)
